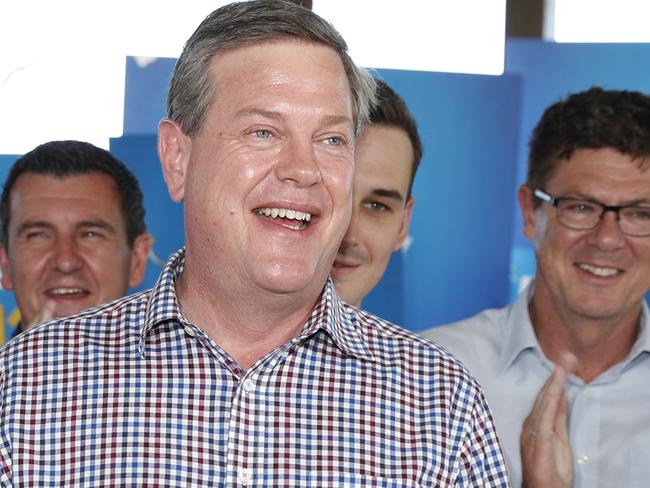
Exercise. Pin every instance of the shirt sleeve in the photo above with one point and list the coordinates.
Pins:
(481, 462)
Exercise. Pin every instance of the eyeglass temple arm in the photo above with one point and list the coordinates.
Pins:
(544, 196)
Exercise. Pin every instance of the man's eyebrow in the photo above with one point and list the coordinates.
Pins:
(33, 224)
(336, 119)
(327, 120)
(629, 203)
(43, 224)
(269, 114)
(97, 223)
(384, 192)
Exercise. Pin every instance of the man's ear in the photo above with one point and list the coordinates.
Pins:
(7, 284)
(174, 148)
(525, 196)
(406, 221)
(139, 257)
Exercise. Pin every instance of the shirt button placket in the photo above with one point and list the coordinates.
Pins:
(245, 476)
(248, 385)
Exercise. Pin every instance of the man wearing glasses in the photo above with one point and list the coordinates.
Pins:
(566, 368)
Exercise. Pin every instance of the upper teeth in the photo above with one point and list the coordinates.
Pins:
(598, 271)
(284, 213)
(66, 291)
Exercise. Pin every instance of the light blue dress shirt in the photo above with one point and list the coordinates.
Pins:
(609, 418)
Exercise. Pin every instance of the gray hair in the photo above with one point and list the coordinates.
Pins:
(247, 23)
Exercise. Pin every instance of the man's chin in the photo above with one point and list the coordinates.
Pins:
(290, 284)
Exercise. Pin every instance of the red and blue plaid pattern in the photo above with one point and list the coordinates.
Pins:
(132, 394)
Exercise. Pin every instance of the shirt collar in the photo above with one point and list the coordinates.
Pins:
(163, 305)
(339, 320)
(520, 334)
(642, 343)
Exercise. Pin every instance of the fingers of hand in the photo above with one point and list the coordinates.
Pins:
(568, 361)
(549, 409)
(47, 313)
(560, 427)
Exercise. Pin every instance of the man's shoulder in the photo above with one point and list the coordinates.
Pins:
(105, 325)
(476, 341)
(391, 344)
(385, 336)
(485, 325)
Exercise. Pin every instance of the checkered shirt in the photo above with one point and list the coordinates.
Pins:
(133, 394)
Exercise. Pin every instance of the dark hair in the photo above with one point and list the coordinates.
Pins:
(592, 119)
(61, 159)
(391, 110)
(247, 23)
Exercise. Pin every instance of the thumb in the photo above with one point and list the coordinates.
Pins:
(568, 362)
(46, 313)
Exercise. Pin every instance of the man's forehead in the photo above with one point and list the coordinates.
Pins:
(68, 177)
(237, 60)
(264, 43)
(594, 162)
(36, 194)
(382, 161)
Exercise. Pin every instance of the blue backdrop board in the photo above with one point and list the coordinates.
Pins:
(164, 218)
(145, 93)
(551, 71)
(458, 261)
(9, 315)
(467, 251)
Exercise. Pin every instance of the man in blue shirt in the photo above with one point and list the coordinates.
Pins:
(387, 156)
(565, 368)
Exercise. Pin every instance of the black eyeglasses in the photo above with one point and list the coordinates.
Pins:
(580, 214)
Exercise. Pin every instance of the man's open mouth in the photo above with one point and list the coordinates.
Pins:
(291, 219)
(66, 292)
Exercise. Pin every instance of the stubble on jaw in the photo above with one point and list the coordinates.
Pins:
(541, 224)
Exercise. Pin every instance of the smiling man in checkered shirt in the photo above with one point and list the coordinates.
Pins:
(241, 367)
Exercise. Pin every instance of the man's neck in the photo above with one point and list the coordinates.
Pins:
(247, 325)
(596, 344)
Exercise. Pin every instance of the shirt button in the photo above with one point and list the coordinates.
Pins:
(249, 385)
(587, 392)
(582, 459)
(189, 331)
(245, 476)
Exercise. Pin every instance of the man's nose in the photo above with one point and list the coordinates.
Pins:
(607, 234)
(66, 257)
(298, 163)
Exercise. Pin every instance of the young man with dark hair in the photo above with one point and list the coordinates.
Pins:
(388, 154)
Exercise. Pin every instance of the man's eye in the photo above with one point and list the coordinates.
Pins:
(638, 213)
(335, 141)
(581, 207)
(91, 234)
(35, 234)
(262, 133)
(377, 207)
